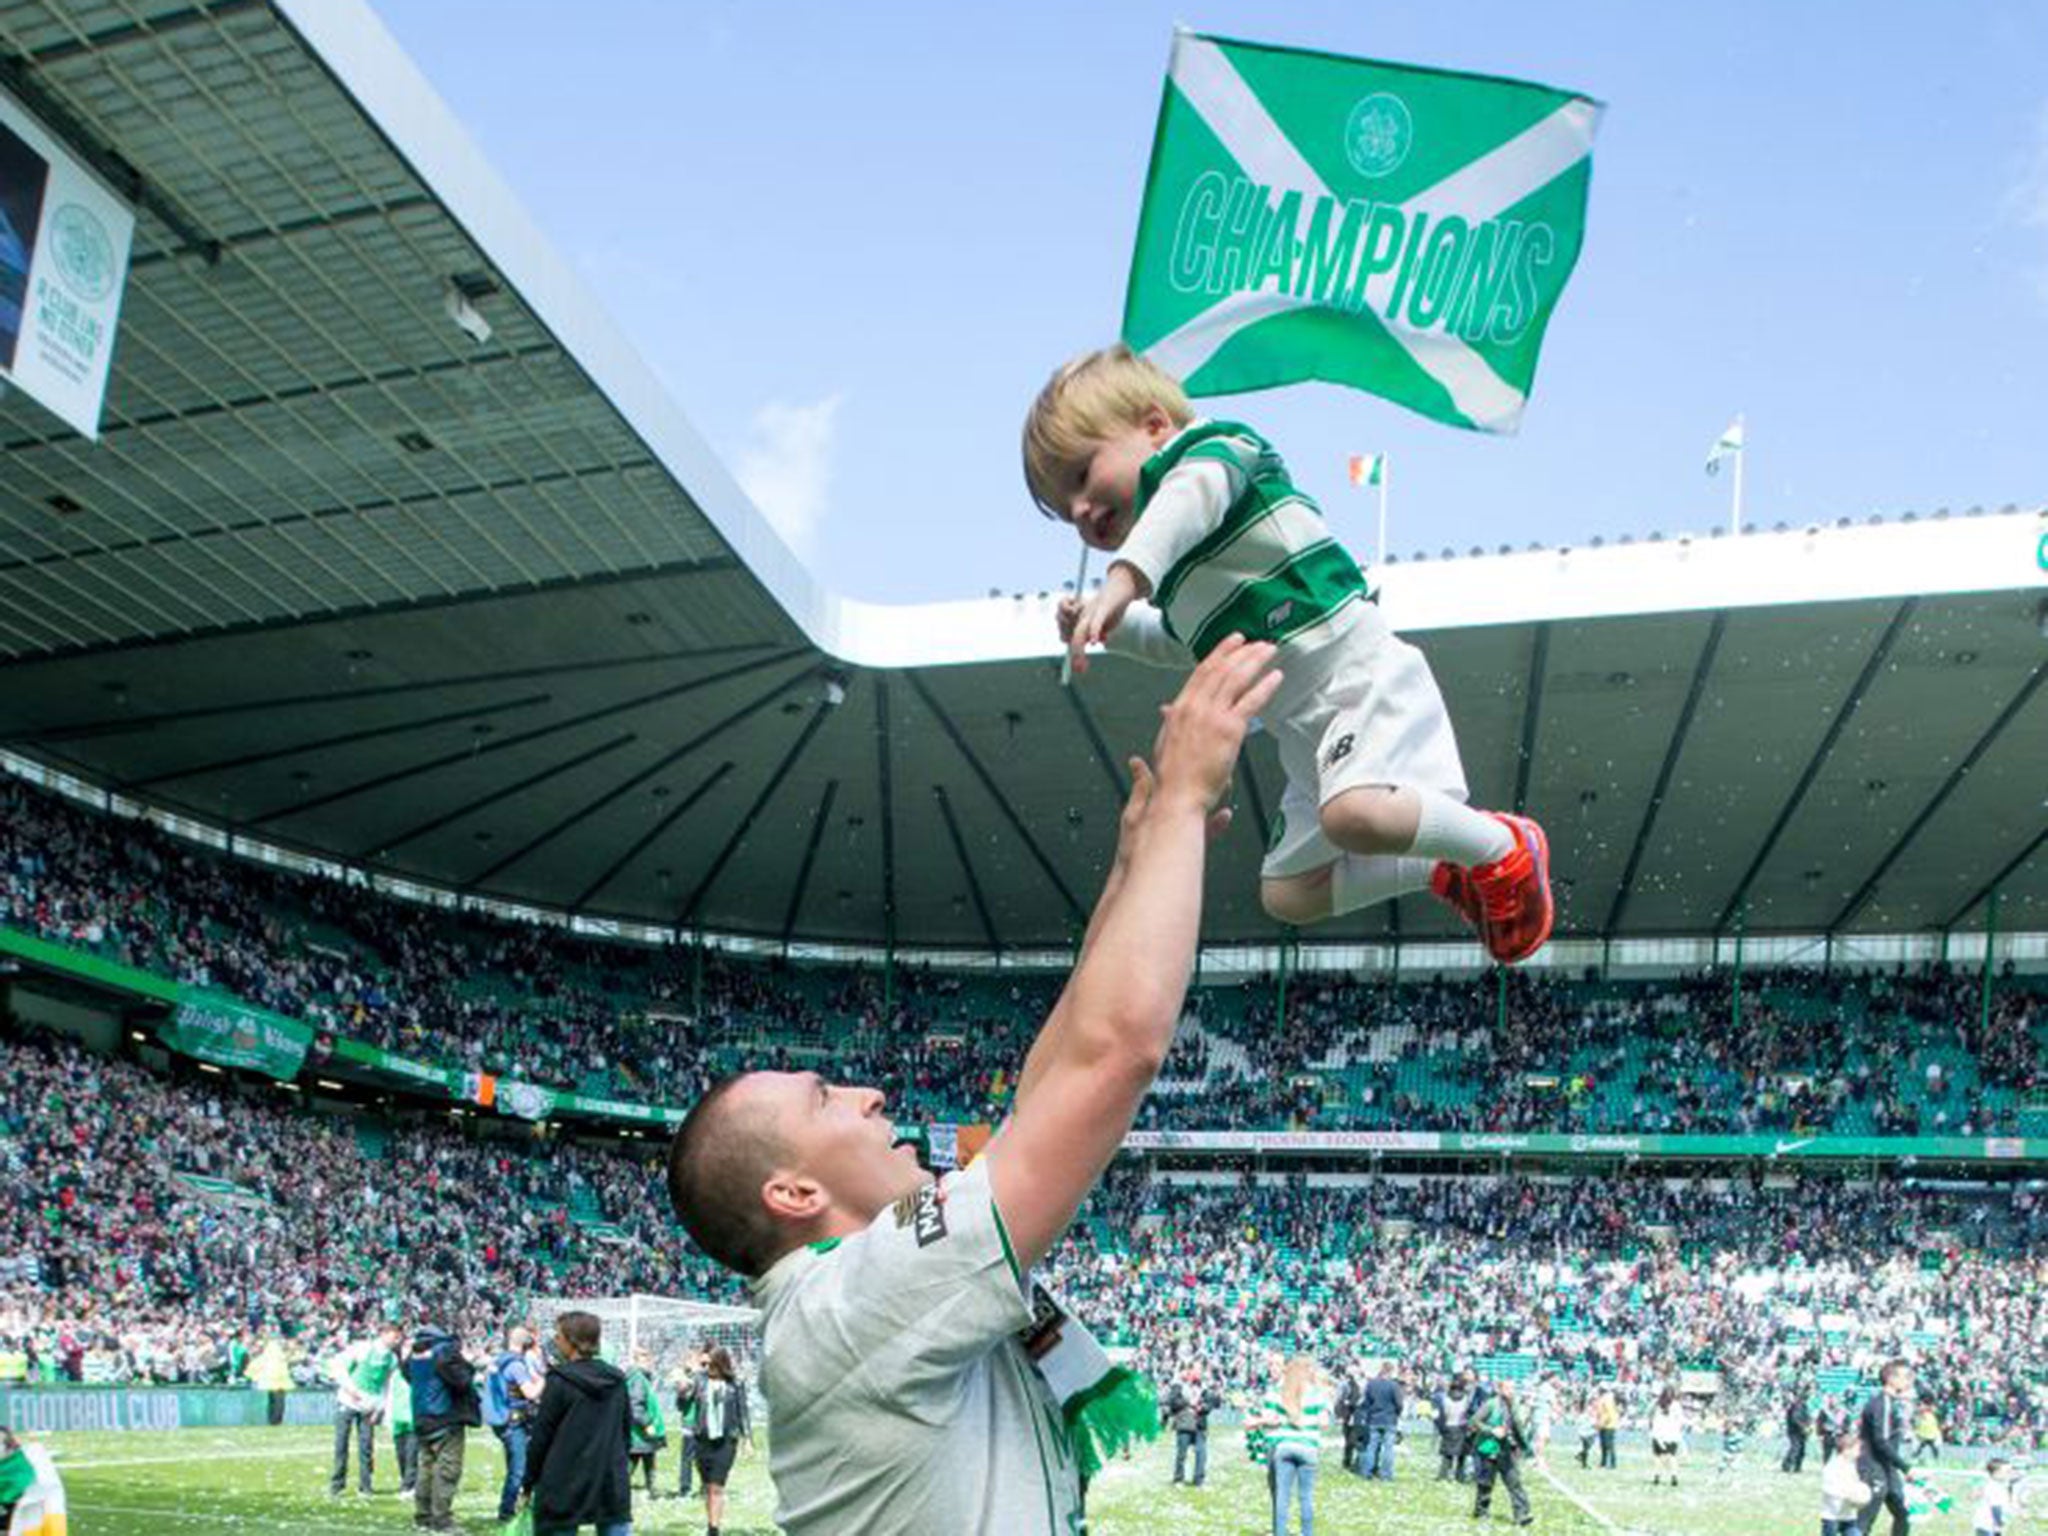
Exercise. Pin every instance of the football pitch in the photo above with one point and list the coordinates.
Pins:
(262, 1480)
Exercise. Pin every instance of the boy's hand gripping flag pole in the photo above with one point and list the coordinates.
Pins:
(1080, 596)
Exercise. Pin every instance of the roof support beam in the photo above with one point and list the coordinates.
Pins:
(708, 734)
(228, 404)
(988, 927)
(1864, 892)
(803, 872)
(1532, 714)
(435, 497)
(1700, 672)
(647, 838)
(746, 822)
(470, 754)
(1052, 875)
(132, 31)
(326, 219)
(28, 87)
(1984, 891)
(1119, 786)
(887, 789)
(383, 846)
(1858, 691)
(322, 743)
(716, 565)
(121, 725)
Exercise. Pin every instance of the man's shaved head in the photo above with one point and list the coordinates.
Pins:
(723, 1153)
(768, 1161)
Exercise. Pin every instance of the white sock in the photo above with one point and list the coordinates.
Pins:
(1364, 880)
(1452, 831)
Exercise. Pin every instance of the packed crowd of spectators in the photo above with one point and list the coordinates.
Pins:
(1815, 1050)
(1620, 1280)
(114, 1267)
(162, 1226)
(117, 1264)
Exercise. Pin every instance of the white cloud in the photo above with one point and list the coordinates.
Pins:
(786, 467)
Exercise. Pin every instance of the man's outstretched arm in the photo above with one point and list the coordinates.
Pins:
(1109, 1034)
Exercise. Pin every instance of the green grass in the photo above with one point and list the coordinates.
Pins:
(274, 1480)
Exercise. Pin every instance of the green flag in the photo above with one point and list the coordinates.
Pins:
(1403, 231)
(219, 1029)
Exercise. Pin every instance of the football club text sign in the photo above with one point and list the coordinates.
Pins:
(1402, 231)
(63, 263)
(232, 1034)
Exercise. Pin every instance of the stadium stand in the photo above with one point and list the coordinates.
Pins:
(1858, 1052)
(165, 1215)
(159, 1220)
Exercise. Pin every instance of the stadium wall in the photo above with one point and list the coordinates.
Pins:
(56, 1409)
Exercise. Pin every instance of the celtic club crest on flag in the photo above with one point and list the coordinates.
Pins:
(1403, 231)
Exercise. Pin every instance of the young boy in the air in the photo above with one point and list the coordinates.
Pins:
(1211, 538)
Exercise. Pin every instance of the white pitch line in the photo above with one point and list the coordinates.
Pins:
(1604, 1521)
(210, 1519)
(67, 1464)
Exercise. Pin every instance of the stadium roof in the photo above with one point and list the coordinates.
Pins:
(490, 615)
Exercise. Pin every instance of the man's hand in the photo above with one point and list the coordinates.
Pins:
(1096, 617)
(1203, 729)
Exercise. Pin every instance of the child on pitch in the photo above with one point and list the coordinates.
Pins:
(1212, 538)
(1843, 1493)
(1998, 1503)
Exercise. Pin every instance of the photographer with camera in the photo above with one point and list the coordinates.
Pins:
(512, 1387)
(445, 1408)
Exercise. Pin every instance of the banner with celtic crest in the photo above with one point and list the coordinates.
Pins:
(1398, 230)
(64, 241)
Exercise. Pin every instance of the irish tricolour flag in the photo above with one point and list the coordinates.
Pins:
(1403, 231)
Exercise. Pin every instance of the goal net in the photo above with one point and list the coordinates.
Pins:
(668, 1329)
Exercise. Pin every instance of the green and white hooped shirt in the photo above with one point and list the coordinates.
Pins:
(365, 1367)
(1230, 546)
(901, 1402)
(1304, 1434)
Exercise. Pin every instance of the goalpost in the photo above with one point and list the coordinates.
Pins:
(668, 1328)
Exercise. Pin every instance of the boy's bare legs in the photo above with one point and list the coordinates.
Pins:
(1493, 868)
(1426, 823)
(1352, 882)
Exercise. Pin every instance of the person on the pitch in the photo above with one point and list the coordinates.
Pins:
(903, 1396)
(360, 1373)
(1499, 1433)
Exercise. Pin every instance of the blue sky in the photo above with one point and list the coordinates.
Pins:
(854, 240)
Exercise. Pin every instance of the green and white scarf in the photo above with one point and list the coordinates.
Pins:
(1106, 1406)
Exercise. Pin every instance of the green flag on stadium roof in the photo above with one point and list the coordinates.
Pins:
(1402, 231)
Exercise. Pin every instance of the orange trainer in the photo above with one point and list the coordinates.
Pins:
(1509, 900)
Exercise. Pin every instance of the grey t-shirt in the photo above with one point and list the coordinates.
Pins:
(900, 1401)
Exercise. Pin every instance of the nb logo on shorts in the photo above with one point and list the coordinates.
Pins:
(1339, 750)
